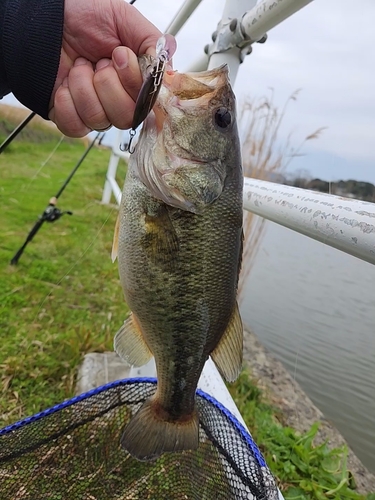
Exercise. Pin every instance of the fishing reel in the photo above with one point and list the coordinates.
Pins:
(52, 213)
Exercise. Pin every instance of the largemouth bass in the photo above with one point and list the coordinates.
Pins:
(179, 244)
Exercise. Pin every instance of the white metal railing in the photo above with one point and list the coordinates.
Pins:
(182, 16)
(111, 185)
(343, 223)
(267, 14)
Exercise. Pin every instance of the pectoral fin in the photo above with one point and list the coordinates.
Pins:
(228, 353)
(115, 239)
(160, 238)
(130, 344)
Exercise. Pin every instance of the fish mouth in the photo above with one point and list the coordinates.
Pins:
(193, 86)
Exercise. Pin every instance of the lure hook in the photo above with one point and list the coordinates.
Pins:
(128, 147)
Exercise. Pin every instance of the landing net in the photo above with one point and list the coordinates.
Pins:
(72, 452)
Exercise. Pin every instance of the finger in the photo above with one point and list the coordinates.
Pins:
(65, 115)
(64, 67)
(85, 98)
(127, 67)
(118, 104)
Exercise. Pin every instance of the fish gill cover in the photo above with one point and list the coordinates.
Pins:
(72, 451)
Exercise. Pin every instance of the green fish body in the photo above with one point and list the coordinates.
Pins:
(179, 250)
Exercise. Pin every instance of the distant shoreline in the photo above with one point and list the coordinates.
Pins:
(350, 188)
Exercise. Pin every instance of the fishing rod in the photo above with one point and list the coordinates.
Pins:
(52, 213)
(16, 131)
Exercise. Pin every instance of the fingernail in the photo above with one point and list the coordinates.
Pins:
(120, 57)
(103, 63)
(80, 61)
(65, 82)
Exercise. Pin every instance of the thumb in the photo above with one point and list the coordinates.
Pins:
(135, 31)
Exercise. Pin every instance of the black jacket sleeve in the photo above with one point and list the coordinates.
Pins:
(30, 47)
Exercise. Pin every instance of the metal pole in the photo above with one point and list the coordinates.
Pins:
(111, 174)
(234, 9)
(342, 223)
(29, 238)
(268, 14)
(182, 16)
(110, 182)
(16, 131)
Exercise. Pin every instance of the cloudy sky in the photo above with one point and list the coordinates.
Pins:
(327, 50)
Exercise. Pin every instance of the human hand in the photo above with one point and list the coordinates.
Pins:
(99, 78)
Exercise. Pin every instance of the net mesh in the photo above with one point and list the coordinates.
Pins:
(72, 452)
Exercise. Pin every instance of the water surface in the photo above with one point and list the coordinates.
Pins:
(313, 307)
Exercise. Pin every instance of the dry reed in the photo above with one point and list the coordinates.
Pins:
(263, 154)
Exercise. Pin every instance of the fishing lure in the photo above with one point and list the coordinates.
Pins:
(165, 48)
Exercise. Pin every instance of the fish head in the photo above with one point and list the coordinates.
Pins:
(189, 139)
(196, 113)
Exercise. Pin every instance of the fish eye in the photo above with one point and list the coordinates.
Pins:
(223, 118)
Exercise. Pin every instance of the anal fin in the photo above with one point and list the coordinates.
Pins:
(130, 344)
(227, 355)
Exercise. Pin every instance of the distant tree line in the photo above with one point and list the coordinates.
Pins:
(349, 189)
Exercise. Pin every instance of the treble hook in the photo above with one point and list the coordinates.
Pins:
(127, 147)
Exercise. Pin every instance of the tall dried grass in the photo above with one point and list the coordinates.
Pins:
(263, 154)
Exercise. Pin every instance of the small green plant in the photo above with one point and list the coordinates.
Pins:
(303, 470)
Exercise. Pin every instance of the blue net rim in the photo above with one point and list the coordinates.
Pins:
(129, 381)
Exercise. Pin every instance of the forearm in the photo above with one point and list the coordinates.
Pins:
(4, 87)
(30, 48)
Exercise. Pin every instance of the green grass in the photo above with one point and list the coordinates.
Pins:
(63, 299)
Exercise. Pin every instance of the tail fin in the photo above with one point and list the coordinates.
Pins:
(147, 435)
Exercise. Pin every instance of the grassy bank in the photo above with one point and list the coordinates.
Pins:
(64, 300)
